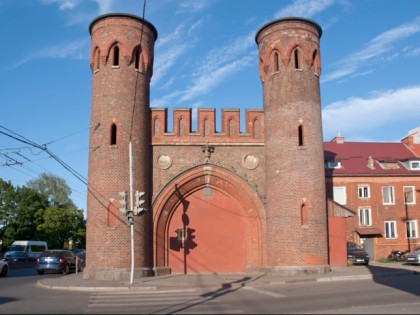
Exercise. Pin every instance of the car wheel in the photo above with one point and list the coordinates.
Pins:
(4, 271)
(66, 270)
(40, 272)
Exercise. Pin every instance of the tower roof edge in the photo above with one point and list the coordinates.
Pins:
(126, 15)
(287, 19)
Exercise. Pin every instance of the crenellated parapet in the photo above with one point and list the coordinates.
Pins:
(206, 126)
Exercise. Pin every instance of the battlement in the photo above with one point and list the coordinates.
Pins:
(206, 126)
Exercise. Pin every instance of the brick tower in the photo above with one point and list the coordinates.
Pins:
(289, 66)
(122, 50)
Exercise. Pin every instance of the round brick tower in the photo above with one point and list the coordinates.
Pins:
(289, 66)
(122, 50)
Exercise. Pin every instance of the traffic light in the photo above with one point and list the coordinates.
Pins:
(123, 201)
(130, 217)
(139, 203)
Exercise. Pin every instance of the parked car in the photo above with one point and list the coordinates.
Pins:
(57, 260)
(413, 258)
(25, 250)
(4, 268)
(81, 254)
(356, 254)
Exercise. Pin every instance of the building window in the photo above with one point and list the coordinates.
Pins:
(300, 133)
(364, 192)
(296, 58)
(332, 164)
(390, 229)
(365, 217)
(276, 62)
(339, 195)
(116, 56)
(409, 195)
(411, 226)
(388, 195)
(113, 138)
(415, 165)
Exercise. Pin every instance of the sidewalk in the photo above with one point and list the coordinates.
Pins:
(76, 282)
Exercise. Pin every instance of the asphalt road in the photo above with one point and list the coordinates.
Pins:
(390, 295)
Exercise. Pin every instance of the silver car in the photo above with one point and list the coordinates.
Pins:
(4, 268)
(413, 258)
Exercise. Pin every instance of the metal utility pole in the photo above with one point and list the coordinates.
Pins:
(130, 153)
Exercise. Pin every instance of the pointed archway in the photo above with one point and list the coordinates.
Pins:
(208, 220)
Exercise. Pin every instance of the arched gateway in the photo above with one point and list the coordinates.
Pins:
(208, 220)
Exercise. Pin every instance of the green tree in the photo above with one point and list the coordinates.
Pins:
(19, 206)
(55, 189)
(42, 210)
(62, 226)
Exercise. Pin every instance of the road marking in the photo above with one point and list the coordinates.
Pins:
(264, 292)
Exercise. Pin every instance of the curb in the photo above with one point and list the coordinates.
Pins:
(168, 288)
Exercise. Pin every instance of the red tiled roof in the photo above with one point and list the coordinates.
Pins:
(354, 157)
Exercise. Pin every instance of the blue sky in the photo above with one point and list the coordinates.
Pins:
(205, 56)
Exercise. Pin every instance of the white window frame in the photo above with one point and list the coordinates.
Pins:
(333, 164)
(391, 230)
(411, 229)
(365, 216)
(415, 165)
(388, 192)
(410, 189)
(339, 195)
(363, 191)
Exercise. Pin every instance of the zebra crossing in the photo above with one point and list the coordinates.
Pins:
(157, 302)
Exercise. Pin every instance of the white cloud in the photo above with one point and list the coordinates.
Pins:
(166, 61)
(63, 4)
(376, 47)
(193, 6)
(204, 83)
(356, 116)
(304, 8)
(77, 50)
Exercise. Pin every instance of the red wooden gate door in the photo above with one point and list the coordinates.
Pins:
(207, 234)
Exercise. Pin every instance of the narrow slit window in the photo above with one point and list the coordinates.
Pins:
(113, 134)
(256, 130)
(206, 127)
(137, 59)
(116, 56)
(276, 62)
(300, 132)
(97, 59)
(231, 131)
(296, 56)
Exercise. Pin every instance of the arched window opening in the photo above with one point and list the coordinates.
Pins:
(138, 63)
(276, 62)
(304, 214)
(116, 56)
(97, 59)
(156, 127)
(300, 131)
(113, 138)
(231, 128)
(180, 127)
(137, 59)
(315, 63)
(206, 127)
(256, 129)
(296, 58)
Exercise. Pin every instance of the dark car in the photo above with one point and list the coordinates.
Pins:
(413, 258)
(81, 254)
(356, 254)
(57, 260)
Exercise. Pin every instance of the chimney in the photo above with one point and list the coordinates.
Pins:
(370, 163)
